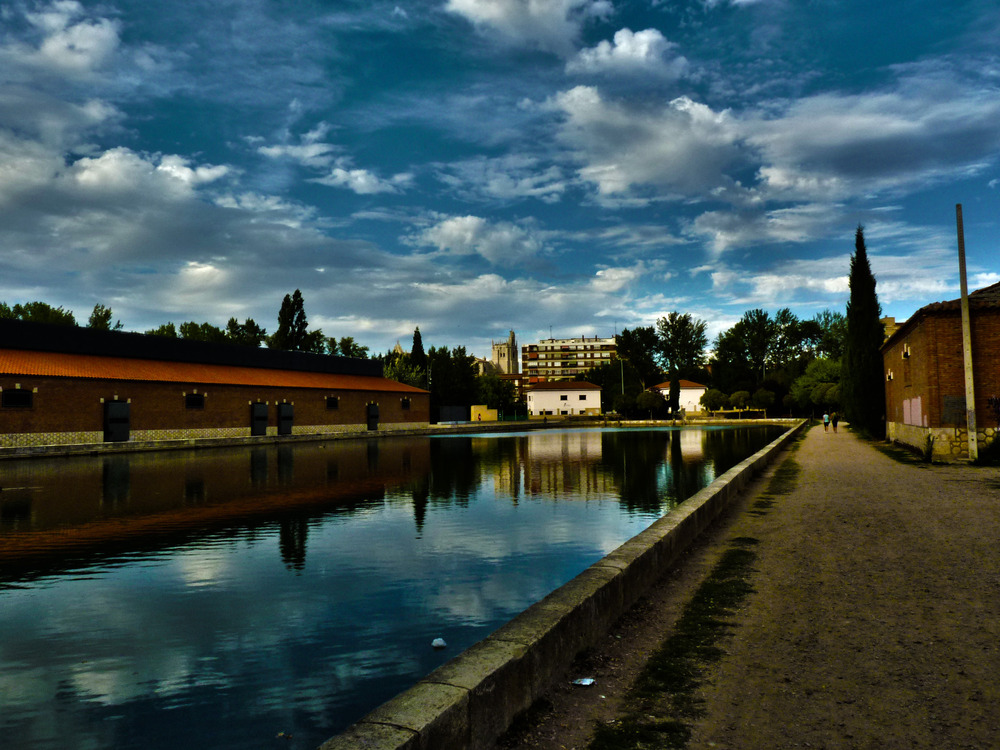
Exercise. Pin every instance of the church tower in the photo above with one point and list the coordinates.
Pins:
(505, 356)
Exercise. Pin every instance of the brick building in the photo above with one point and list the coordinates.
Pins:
(925, 375)
(66, 385)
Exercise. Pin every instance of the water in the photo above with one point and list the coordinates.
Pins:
(233, 597)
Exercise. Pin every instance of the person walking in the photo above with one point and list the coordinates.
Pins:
(826, 421)
(834, 418)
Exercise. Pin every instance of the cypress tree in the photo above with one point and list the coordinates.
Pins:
(862, 386)
(418, 358)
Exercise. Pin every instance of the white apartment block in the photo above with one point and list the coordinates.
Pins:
(553, 360)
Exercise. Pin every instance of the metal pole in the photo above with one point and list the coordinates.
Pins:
(970, 399)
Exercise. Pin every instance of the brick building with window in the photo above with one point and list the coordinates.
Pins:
(925, 375)
(63, 385)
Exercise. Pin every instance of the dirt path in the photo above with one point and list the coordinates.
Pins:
(875, 621)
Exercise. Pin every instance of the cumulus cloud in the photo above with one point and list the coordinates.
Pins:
(70, 43)
(501, 243)
(551, 25)
(644, 52)
(682, 149)
(829, 146)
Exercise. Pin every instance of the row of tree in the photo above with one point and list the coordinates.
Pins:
(452, 378)
(291, 334)
(778, 363)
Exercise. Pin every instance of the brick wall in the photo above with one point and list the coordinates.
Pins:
(67, 411)
(934, 373)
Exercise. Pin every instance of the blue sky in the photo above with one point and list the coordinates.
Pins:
(472, 166)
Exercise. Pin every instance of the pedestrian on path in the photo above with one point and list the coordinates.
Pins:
(834, 418)
(826, 421)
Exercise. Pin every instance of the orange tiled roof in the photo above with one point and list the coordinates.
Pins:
(59, 365)
(683, 384)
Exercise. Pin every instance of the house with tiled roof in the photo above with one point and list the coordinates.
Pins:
(62, 385)
(690, 394)
(925, 375)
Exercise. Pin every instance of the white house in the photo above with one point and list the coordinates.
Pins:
(690, 394)
(564, 398)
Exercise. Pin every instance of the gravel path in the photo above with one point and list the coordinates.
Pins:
(875, 621)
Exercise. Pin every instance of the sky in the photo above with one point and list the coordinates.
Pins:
(555, 167)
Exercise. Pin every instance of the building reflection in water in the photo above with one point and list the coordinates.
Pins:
(283, 588)
(72, 505)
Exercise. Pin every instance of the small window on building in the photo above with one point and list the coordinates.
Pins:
(564, 398)
(404, 403)
(194, 401)
(333, 402)
(17, 398)
(583, 397)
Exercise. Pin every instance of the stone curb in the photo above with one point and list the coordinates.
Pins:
(469, 702)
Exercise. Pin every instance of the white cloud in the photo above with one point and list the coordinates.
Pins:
(551, 25)
(681, 149)
(614, 280)
(364, 182)
(501, 243)
(69, 46)
(829, 146)
(643, 52)
(122, 171)
(307, 154)
(726, 230)
(510, 177)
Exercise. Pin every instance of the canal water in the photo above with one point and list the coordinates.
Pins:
(268, 597)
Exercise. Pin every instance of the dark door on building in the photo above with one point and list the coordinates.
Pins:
(286, 414)
(372, 416)
(117, 421)
(258, 419)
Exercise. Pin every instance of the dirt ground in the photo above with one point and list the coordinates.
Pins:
(874, 622)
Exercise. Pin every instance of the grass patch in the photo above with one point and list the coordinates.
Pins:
(664, 698)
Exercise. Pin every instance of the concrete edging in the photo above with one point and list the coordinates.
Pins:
(471, 700)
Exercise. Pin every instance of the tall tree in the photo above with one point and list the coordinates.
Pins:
(293, 332)
(862, 389)
(418, 358)
(681, 349)
(638, 348)
(833, 331)
(100, 319)
(757, 331)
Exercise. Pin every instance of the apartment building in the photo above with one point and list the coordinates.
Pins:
(554, 360)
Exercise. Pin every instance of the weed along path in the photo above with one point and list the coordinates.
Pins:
(848, 600)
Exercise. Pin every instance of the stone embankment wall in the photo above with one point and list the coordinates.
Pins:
(939, 443)
(470, 701)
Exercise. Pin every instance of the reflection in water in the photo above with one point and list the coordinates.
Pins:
(154, 600)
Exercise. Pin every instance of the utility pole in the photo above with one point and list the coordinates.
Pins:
(970, 398)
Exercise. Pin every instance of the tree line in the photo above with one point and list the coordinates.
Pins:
(292, 332)
(451, 376)
(779, 363)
